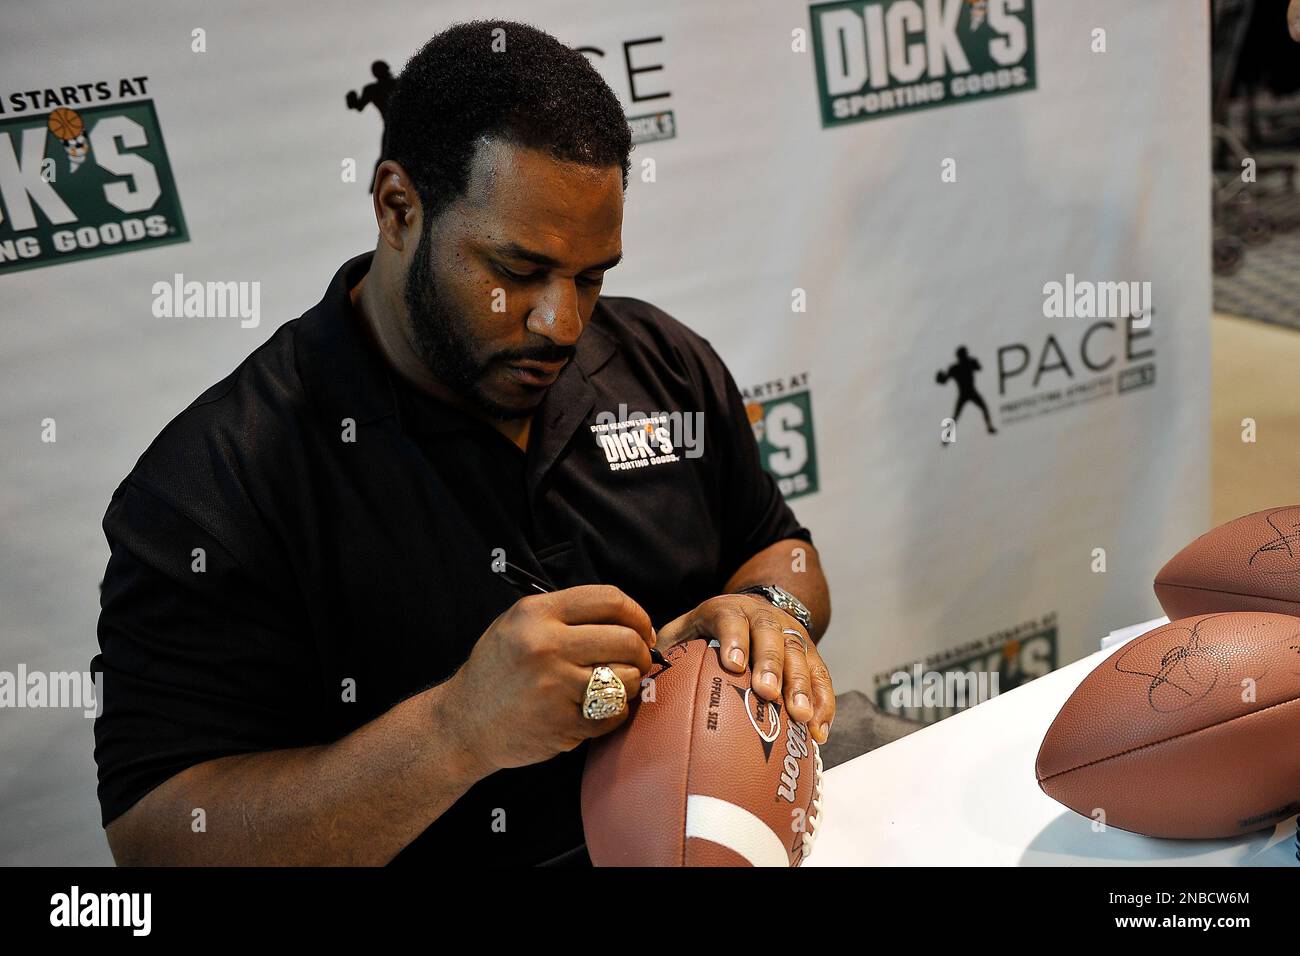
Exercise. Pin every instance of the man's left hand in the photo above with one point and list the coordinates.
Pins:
(748, 628)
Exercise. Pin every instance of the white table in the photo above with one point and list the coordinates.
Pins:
(963, 792)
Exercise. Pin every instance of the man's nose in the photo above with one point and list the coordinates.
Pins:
(555, 314)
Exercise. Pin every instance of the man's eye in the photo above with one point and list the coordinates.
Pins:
(587, 281)
(513, 275)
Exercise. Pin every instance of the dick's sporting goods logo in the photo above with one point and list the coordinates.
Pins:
(780, 412)
(78, 181)
(881, 57)
(637, 442)
(956, 678)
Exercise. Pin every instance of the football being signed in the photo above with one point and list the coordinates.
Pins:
(706, 773)
(1191, 730)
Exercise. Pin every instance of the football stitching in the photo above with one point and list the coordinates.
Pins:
(1157, 743)
(1195, 587)
(690, 745)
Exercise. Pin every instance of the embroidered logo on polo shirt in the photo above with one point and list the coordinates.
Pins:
(635, 442)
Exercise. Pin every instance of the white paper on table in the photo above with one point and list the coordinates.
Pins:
(1130, 632)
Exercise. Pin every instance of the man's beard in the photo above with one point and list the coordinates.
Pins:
(442, 340)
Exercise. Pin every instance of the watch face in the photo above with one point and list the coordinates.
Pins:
(782, 599)
(788, 602)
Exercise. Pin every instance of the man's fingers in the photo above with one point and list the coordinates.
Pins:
(823, 696)
(591, 644)
(674, 632)
(597, 604)
(767, 654)
(798, 682)
(783, 660)
(730, 628)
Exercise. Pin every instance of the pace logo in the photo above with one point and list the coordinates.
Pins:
(636, 68)
(84, 181)
(1080, 363)
(877, 58)
(780, 412)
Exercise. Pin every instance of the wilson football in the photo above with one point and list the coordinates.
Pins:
(1251, 563)
(705, 773)
(1191, 730)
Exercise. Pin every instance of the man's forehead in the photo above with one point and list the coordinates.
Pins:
(502, 173)
(522, 198)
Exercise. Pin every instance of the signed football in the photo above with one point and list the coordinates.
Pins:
(1191, 730)
(705, 773)
(1249, 564)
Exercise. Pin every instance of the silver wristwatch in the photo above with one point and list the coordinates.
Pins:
(781, 598)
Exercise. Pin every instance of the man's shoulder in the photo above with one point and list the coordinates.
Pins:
(212, 454)
(266, 377)
(640, 327)
(628, 316)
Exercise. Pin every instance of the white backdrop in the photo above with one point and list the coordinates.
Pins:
(1096, 167)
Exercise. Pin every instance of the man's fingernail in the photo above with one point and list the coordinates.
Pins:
(737, 656)
(826, 730)
(801, 699)
(768, 680)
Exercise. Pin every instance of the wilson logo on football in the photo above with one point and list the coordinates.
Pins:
(773, 717)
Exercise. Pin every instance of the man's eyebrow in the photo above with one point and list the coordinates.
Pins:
(516, 251)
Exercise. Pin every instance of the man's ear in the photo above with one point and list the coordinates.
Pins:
(397, 205)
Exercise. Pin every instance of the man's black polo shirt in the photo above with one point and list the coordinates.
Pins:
(349, 524)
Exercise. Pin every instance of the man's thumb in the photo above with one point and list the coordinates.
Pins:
(674, 632)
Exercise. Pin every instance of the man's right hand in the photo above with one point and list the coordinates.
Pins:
(518, 699)
(362, 798)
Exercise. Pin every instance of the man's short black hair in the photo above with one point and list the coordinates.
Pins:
(520, 84)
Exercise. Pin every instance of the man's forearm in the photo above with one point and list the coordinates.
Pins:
(357, 801)
(794, 565)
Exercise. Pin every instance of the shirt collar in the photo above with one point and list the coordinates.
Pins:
(343, 374)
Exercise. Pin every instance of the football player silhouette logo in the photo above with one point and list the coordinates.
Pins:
(374, 94)
(962, 372)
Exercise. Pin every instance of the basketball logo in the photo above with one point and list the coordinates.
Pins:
(67, 127)
(66, 124)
